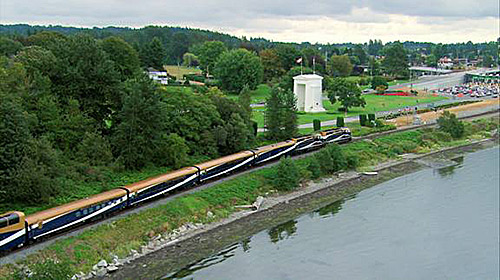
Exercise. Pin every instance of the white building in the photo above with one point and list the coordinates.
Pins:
(308, 91)
(159, 76)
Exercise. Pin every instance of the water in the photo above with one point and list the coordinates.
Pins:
(433, 224)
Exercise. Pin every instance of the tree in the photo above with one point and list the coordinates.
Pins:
(141, 124)
(360, 53)
(311, 55)
(395, 62)
(153, 54)
(86, 74)
(245, 100)
(347, 92)
(488, 61)
(287, 54)
(378, 81)
(431, 60)
(237, 68)
(448, 122)
(271, 64)
(340, 66)
(287, 175)
(374, 66)
(280, 115)
(374, 47)
(192, 117)
(209, 53)
(9, 47)
(190, 60)
(173, 152)
(125, 57)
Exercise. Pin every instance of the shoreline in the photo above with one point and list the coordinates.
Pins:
(194, 244)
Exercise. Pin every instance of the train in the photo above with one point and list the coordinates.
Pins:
(17, 229)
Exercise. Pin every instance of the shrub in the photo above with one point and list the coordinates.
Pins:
(379, 123)
(362, 120)
(314, 167)
(287, 175)
(331, 159)
(379, 83)
(317, 125)
(448, 122)
(340, 122)
(371, 117)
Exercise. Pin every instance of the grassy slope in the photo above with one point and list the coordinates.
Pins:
(180, 71)
(81, 252)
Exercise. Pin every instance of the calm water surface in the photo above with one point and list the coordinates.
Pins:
(433, 224)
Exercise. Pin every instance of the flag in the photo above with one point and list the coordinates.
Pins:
(299, 60)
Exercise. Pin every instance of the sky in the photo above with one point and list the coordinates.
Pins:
(314, 21)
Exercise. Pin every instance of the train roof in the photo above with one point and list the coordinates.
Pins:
(160, 179)
(225, 159)
(75, 205)
(267, 148)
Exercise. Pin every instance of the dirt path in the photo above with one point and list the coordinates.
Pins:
(431, 117)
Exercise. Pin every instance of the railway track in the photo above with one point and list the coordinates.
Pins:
(19, 253)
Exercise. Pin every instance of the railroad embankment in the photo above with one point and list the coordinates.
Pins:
(192, 226)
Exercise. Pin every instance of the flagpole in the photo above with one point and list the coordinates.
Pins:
(314, 65)
(301, 66)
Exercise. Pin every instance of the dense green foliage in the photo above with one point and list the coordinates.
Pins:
(396, 61)
(340, 122)
(287, 176)
(346, 92)
(317, 125)
(378, 82)
(339, 66)
(449, 123)
(238, 68)
(281, 117)
(74, 108)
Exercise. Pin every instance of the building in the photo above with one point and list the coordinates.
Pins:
(308, 91)
(445, 63)
(158, 76)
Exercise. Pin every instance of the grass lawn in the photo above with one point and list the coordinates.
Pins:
(180, 71)
(374, 103)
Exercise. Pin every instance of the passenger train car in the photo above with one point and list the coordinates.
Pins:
(17, 230)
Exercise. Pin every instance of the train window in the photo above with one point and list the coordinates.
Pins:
(85, 212)
(13, 218)
(3, 222)
(91, 210)
(78, 214)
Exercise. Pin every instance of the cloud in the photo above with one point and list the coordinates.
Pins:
(288, 20)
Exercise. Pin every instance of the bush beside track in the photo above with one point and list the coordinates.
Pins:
(80, 253)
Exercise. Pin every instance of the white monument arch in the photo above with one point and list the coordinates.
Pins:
(308, 91)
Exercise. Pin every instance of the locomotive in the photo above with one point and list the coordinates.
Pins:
(17, 230)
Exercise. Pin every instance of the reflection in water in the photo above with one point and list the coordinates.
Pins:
(220, 257)
(283, 231)
(449, 170)
(245, 244)
(332, 209)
